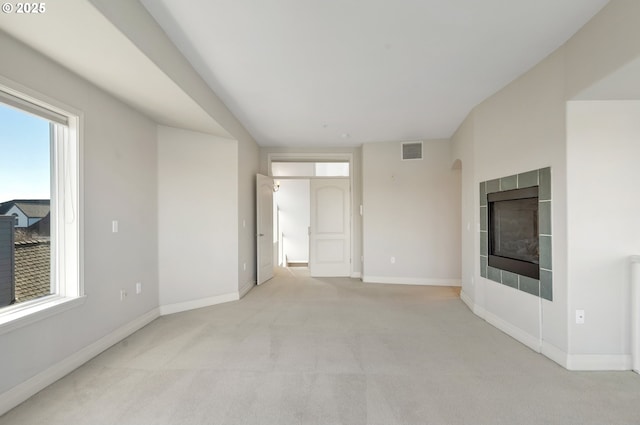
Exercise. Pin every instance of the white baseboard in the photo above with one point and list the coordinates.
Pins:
(467, 300)
(356, 275)
(30, 387)
(477, 310)
(200, 303)
(592, 362)
(576, 362)
(587, 362)
(246, 288)
(412, 281)
(290, 261)
(516, 333)
(554, 353)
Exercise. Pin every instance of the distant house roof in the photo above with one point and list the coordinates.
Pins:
(41, 227)
(32, 269)
(32, 208)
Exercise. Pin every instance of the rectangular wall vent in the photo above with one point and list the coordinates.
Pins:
(411, 150)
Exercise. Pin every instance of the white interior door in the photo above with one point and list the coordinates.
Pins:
(330, 230)
(264, 227)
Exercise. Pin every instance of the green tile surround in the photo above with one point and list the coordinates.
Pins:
(546, 290)
(509, 279)
(530, 286)
(527, 179)
(542, 178)
(493, 186)
(483, 243)
(545, 252)
(494, 274)
(508, 183)
(544, 191)
(544, 217)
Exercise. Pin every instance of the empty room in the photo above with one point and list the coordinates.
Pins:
(336, 212)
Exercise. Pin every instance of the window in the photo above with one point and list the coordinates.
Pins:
(309, 169)
(39, 188)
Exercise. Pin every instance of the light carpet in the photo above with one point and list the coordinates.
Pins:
(298, 350)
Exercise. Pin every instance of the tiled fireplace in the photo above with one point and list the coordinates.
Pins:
(515, 232)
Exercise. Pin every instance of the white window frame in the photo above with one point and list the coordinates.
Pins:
(346, 157)
(67, 288)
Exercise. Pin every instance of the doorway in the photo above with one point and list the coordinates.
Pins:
(292, 201)
(312, 213)
(313, 223)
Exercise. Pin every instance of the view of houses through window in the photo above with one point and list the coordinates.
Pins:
(25, 216)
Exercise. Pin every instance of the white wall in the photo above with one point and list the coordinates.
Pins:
(524, 127)
(133, 20)
(120, 166)
(463, 157)
(119, 153)
(411, 213)
(197, 218)
(603, 172)
(293, 200)
(248, 154)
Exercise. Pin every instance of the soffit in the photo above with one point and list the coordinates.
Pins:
(77, 36)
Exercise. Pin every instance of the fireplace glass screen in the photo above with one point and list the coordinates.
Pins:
(513, 231)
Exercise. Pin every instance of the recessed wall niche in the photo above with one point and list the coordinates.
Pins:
(540, 179)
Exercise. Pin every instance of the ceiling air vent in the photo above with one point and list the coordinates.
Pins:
(411, 150)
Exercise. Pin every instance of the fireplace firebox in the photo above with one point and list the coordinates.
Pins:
(513, 234)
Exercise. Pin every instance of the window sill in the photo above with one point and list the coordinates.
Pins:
(26, 315)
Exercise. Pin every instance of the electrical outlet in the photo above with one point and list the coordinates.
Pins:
(580, 317)
(114, 226)
(123, 294)
(138, 288)
(393, 260)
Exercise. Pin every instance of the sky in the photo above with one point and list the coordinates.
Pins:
(24, 156)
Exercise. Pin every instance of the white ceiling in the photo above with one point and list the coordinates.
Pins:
(345, 72)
